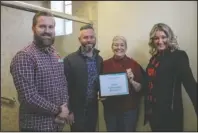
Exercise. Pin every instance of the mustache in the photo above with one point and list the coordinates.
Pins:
(89, 45)
(46, 34)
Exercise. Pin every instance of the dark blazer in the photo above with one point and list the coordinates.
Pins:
(174, 70)
(75, 69)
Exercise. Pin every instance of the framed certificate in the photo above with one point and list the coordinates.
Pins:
(113, 84)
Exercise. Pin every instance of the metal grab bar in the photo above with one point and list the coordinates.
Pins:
(9, 100)
(33, 8)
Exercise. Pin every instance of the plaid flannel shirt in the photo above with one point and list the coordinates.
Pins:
(38, 75)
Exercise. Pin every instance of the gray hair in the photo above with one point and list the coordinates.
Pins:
(115, 38)
(87, 26)
(172, 39)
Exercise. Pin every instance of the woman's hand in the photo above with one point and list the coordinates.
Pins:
(130, 74)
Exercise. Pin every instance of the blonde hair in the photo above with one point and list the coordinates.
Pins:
(172, 39)
(115, 38)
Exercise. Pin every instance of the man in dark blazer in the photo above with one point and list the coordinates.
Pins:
(82, 69)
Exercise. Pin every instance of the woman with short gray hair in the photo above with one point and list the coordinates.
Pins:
(120, 112)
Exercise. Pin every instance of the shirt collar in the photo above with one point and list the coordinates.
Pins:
(47, 50)
(120, 60)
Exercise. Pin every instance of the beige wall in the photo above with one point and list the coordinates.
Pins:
(130, 19)
(16, 33)
(134, 20)
(69, 43)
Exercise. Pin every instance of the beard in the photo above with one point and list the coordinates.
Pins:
(43, 42)
(88, 47)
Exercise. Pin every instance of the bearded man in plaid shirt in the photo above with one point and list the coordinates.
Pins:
(38, 75)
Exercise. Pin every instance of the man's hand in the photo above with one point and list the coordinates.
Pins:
(64, 111)
(70, 119)
(102, 98)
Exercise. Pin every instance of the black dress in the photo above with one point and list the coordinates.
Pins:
(166, 72)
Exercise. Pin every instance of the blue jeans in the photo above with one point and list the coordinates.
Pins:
(121, 122)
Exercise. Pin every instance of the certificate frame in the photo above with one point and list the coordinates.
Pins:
(122, 86)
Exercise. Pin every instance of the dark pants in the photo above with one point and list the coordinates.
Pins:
(33, 130)
(27, 130)
(122, 122)
(165, 121)
(86, 120)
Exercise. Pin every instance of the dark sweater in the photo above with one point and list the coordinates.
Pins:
(76, 72)
(172, 71)
(125, 102)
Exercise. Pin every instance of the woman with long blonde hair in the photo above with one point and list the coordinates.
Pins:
(167, 70)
